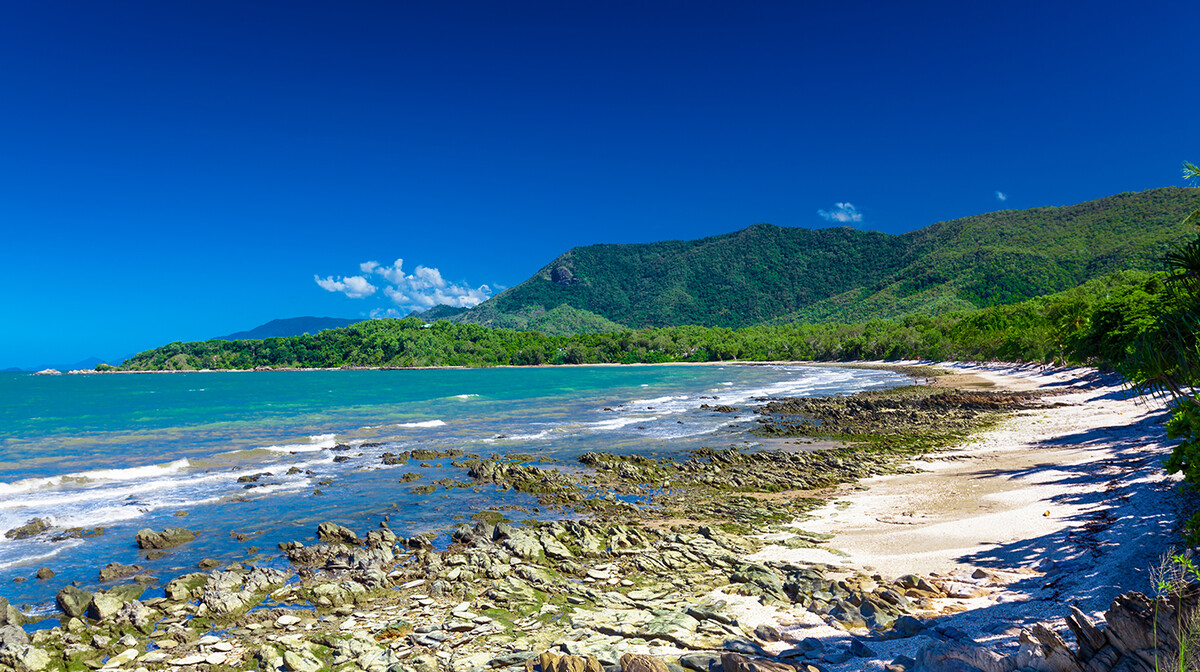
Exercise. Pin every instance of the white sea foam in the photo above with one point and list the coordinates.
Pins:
(465, 396)
(69, 497)
(131, 473)
(315, 443)
(544, 434)
(54, 550)
(619, 422)
(27, 485)
(422, 424)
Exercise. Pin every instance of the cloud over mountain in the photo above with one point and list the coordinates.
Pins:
(423, 288)
(844, 213)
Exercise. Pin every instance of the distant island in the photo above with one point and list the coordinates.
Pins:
(292, 326)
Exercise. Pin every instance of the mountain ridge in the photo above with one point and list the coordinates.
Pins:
(290, 326)
(768, 274)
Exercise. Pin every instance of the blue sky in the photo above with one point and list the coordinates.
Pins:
(179, 170)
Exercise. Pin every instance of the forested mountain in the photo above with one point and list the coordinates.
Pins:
(1093, 323)
(291, 326)
(770, 274)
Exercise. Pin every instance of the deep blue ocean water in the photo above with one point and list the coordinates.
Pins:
(126, 452)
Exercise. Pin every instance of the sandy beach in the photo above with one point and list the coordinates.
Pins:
(1062, 505)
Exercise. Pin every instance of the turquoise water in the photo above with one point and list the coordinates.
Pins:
(125, 452)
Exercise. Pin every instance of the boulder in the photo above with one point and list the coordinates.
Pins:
(523, 545)
(701, 661)
(73, 601)
(332, 533)
(859, 648)
(104, 606)
(735, 662)
(45, 573)
(640, 662)
(17, 653)
(180, 589)
(960, 657)
(32, 528)
(550, 662)
(115, 570)
(301, 662)
(168, 538)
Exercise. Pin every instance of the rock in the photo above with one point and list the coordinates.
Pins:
(16, 651)
(555, 548)
(523, 545)
(745, 647)
(181, 589)
(981, 573)
(958, 657)
(73, 601)
(332, 533)
(907, 626)
(11, 637)
(511, 659)
(30, 659)
(297, 662)
(550, 662)
(104, 606)
(126, 656)
(208, 563)
(701, 661)
(639, 662)
(733, 662)
(115, 570)
(286, 620)
(767, 633)
(168, 538)
(837, 657)
(32, 528)
(859, 648)
(45, 573)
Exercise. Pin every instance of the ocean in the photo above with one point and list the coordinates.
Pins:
(126, 452)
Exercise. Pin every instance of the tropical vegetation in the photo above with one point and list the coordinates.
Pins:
(1165, 355)
(1095, 322)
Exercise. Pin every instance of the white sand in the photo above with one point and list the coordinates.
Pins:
(1069, 505)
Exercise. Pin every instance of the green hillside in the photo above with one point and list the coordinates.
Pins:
(1093, 323)
(769, 274)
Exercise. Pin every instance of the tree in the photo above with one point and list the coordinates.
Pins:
(1166, 358)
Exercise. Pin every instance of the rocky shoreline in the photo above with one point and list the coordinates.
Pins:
(664, 585)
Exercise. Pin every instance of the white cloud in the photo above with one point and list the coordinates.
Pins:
(1001, 196)
(422, 289)
(842, 212)
(354, 286)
